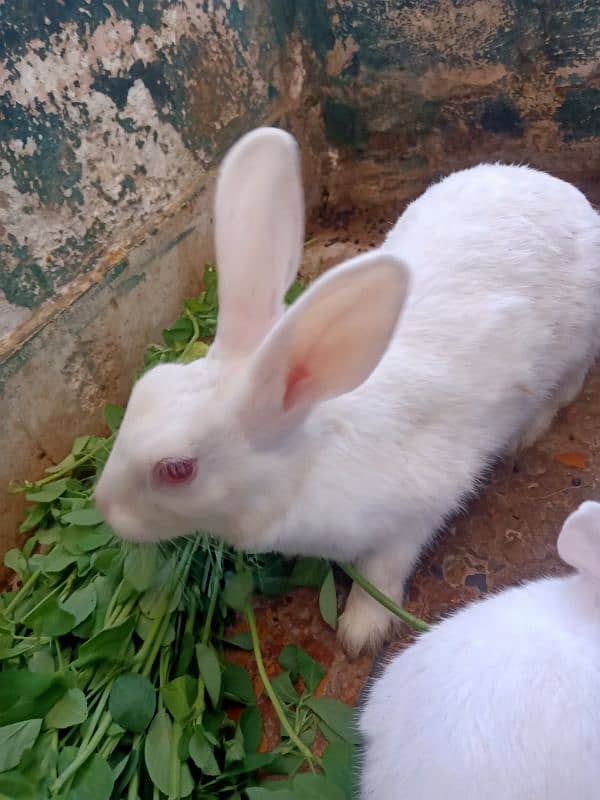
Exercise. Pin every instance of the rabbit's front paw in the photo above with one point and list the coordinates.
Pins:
(364, 624)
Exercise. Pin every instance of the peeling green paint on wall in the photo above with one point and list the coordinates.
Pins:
(108, 111)
(284, 19)
(345, 125)
(579, 114)
(501, 115)
(26, 285)
(177, 240)
(131, 282)
(117, 270)
(49, 168)
(27, 20)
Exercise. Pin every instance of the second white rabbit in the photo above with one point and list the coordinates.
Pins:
(502, 700)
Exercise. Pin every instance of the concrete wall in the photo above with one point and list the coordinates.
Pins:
(412, 89)
(111, 112)
(115, 114)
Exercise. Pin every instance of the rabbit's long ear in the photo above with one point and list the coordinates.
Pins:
(259, 232)
(327, 344)
(579, 541)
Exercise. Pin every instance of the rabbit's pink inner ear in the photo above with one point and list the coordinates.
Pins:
(297, 376)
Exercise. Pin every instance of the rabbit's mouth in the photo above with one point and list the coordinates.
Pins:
(133, 528)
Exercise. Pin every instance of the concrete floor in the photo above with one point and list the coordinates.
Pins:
(507, 535)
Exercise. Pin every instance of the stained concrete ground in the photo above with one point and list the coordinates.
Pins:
(507, 534)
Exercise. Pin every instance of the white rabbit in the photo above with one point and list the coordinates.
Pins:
(295, 435)
(502, 700)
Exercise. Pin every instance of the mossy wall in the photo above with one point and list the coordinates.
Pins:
(109, 112)
(412, 89)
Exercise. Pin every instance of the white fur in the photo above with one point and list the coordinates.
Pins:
(498, 331)
(502, 700)
(254, 275)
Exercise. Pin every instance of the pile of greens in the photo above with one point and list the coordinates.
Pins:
(114, 680)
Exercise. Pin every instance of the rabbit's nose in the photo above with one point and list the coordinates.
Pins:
(123, 523)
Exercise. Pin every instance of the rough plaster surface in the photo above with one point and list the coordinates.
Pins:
(411, 90)
(110, 112)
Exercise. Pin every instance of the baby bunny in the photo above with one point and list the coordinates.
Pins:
(330, 430)
(502, 700)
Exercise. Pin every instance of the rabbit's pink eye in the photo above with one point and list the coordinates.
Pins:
(172, 471)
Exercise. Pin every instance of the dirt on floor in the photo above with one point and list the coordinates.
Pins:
(507, 535)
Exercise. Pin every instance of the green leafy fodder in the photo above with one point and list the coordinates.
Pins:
(114, 680)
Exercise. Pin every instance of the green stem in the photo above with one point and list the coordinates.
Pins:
(41, 603)
(195, 335)
(153, 642)
(285, 724)
(206, 630)
(175, 765)
(27, 485)
(68, 583)
(95, 685)
(24, 590)
(97, 713)
(112, 604)
(199, 705)
(124, 611)
(155, 646)
(163, 671)
(149, 642)
(132, 790)
(414, 622)
(59, 656)
(83, 754)
(134, 783)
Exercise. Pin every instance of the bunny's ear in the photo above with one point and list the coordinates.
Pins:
(259, 231)
(328, 343)
(579, 541)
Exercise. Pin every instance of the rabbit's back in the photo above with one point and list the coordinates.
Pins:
(470, 214)
(499, 702)
(486, 237)
(501, 323)
(504, 301)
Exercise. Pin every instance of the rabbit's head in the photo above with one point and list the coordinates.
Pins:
(201, 445)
